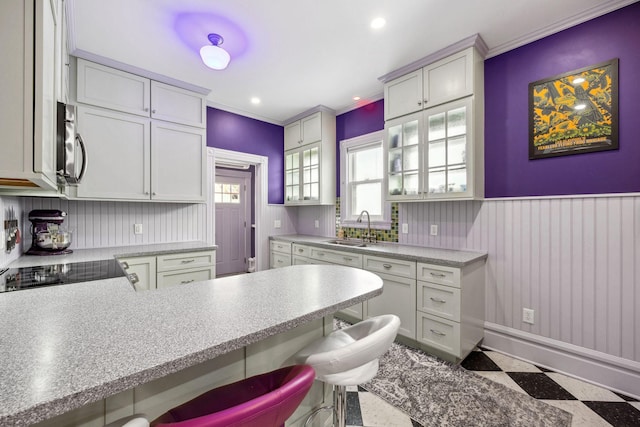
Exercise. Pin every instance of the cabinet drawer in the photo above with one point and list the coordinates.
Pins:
(337, 257)
(186, 260)
(300, 250)
(283, 247)
(182, 277)
(279, 259)
(448, 276)
(439, 333)
(443, 301)
(300, 260)
(390, 266)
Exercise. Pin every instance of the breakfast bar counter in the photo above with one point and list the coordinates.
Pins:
(67, 346)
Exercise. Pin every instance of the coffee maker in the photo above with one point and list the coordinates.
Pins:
(48, 236)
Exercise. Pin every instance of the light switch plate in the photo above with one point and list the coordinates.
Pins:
(317, 223)
(434, 229)
(405, 228)
(277, 223)
(137, 228)
(528, 315)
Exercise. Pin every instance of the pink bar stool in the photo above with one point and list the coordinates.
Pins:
(265, 400)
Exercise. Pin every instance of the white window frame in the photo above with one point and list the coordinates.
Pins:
(345, 195)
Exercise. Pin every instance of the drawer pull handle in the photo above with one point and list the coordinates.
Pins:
(184, 282)
(300, 250)
(279, 261)
(436, 332)
(437, 274)
(437, 300)
(320, 253)
(125, 265)
(387, 266)
(187, 261)
(133, 278)
(347, 258)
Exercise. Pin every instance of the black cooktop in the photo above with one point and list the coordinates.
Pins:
(16, 279)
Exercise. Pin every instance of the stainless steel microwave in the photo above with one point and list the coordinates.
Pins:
(71, 151)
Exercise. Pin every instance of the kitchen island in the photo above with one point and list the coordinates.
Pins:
(65, 347)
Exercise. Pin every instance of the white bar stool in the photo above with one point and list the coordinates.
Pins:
(349, 357)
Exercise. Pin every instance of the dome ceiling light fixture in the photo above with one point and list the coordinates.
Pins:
(213, 55)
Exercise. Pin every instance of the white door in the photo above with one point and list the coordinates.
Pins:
(233, 220)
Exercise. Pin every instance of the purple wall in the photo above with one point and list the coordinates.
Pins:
(508, 170)
(366, 119)
(239, 133)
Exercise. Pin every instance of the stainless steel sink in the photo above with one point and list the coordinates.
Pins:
(354, 243)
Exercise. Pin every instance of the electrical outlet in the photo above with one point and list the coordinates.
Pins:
(405, 228)
(317, 223)
(137, 228)
(528, 315)
(276, 223)
(434, 229)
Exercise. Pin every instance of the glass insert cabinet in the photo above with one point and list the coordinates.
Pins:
(429, 153)
(302, 174)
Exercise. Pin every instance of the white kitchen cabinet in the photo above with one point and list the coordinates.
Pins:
(304, 131)
(141, 272)
(309, 168)
(29, 31)
(171, 269)
(133, 158)
(118, 154)
(280, 253)
(178, 162)
(445, 80)
(434, 128)
(399, 292)
(450, 308)
(118, 90)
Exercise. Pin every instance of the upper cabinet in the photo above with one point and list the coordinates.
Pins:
(30, 50)
(117, 90)
(434, 142)
(310, 160)
(153, 132)
(303, 131)
(443, 81)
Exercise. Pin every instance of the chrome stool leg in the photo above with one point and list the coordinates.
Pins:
(339, 406)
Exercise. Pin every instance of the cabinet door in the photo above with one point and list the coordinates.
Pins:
(403, 95)
(449, 79)
(311, 128)
(311, 173)
(292, 136)
(178, 162)
(177, 105)
(398, 297)
(448, 150)
(44, 126)
(403, 157)
(114, 89)
(117, 154)
(144, 268)
(292, 177)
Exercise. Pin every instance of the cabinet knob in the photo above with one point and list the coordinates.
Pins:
(153, 111)
(419, 102)
(146, 110)
(125, 265)
(146, 193)
(153, 194)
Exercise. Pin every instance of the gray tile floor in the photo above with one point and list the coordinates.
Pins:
(590, 405)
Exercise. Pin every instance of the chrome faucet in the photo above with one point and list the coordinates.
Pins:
(367, 237)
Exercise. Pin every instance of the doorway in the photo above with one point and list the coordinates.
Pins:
(233, 197)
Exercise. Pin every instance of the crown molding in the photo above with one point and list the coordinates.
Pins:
(244, 113)
(471, 41)
(309, 112)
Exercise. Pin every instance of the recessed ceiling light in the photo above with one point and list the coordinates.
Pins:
(255, 100)
(356, 98)
(378, 23)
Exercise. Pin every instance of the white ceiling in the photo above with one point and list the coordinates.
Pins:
(297, 54)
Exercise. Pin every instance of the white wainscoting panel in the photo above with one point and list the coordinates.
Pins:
(105, 224)
(575, 261)
(325, 215)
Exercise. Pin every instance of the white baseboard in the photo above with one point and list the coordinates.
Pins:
(615, 373)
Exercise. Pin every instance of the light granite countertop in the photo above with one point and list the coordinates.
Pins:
(82, 255)
(67, 346)
(448, 257)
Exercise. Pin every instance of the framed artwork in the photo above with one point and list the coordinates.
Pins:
(574, 112)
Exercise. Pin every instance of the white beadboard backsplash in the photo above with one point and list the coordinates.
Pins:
(575, 261)
(105, 224)
(325, 215)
